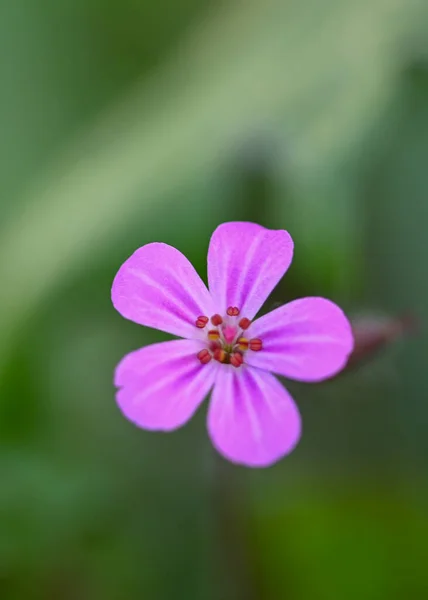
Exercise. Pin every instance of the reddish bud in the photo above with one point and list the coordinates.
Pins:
(374, 333)
(233, 311)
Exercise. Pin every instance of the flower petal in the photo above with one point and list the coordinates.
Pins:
(308, 339)
(245, 262)
(252, 419)
(158, 287)
(162, 385)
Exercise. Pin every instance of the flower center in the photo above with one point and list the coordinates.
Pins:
(226, 339)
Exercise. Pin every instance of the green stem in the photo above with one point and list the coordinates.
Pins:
(232, 533)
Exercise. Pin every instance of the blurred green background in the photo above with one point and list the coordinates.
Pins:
(133, 121)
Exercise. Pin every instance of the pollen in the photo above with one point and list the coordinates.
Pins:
(220, 355)
(213, 335)
(204, 356)
(256, 344)
(201, 322)
(233, 311)
(243, 343)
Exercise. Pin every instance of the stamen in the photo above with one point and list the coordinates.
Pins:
(201, 322)
(236, 359)
(256, 344)
(244, 323)
(233, 311)
(215, 345)
(243, 343)
(213, 335)
(204, 356)
(216, 320)
(220, 355)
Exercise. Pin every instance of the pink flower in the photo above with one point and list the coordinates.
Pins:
(252, 419)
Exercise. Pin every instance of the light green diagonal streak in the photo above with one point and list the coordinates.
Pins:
(237, 71)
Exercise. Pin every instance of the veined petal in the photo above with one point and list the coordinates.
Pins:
(245, 262)
(308, 339)
(252, 419)
(158, 287)
(161, 386)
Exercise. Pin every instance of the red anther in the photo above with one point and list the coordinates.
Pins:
(233, 311)
(213, 335)
(236, 359)
(220, 355)
(214, 345)
(256, 344)
(201, 322)
(204, 356)
(216, 320)
(243, 343)
(244, 323)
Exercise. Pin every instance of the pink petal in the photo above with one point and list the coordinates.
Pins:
(308, 339)
(252, 419)
(162, 385)
(245, 262)
(158, 287)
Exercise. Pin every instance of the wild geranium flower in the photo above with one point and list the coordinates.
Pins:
(252, 419)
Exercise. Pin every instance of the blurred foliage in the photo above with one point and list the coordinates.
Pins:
(136, 121)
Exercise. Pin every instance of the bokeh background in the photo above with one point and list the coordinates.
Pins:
(134, 121)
